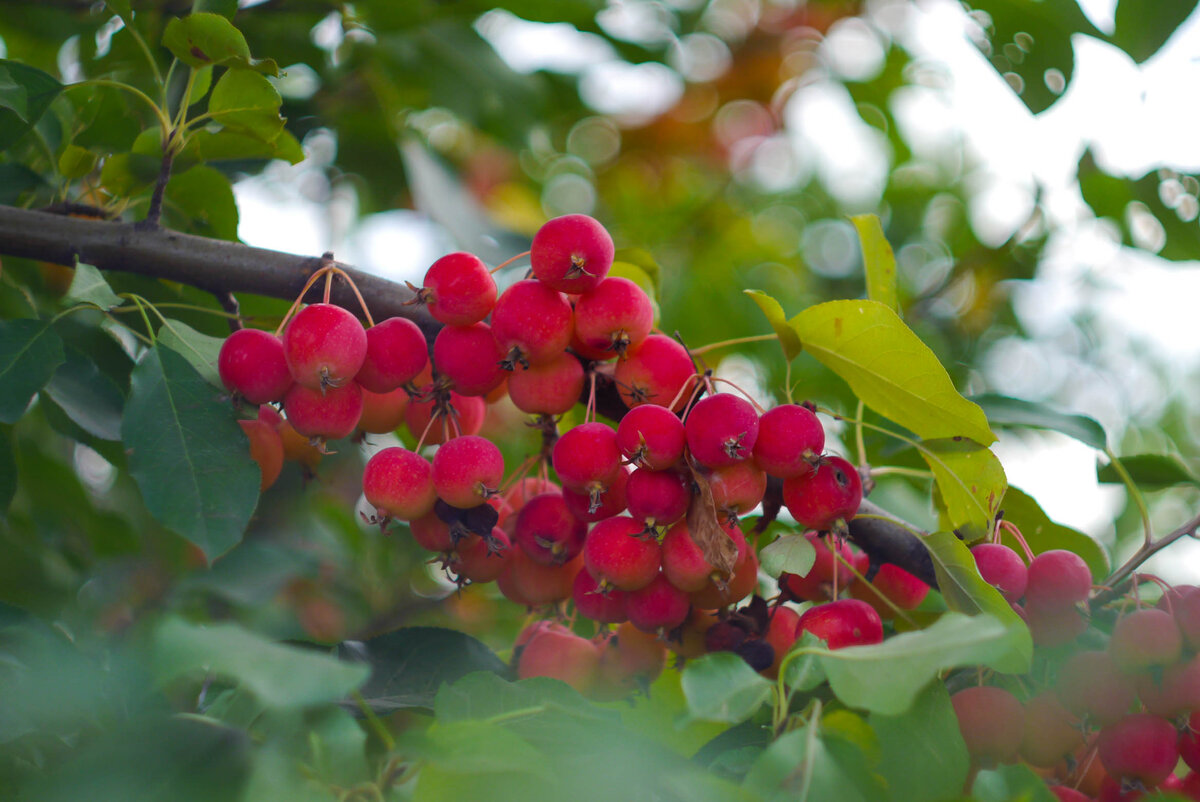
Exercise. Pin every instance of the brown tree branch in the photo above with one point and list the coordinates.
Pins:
(209, 264)
(1117, 578)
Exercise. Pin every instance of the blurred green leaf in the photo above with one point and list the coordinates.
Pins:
(1009, 783)
(1140, 32)
(1001, 410)
(204, 39)
(810, 765)
(8, 471)
(970, 479)
(790, 553)
(201, 83)
(879, 263)
(25, 94)
(804, 672)
(1150, 471)
(88, 397)
(721, 686)
(203, 197)
(922, 752)
(226, 8)
(1030, 37)
(774, 314)
(644, 261)
(125, 174)
(30, 351)
(279, 676)
(887, 677)
(226, 145)
(1042, 534)
(88, 286)
(15, 181)
(76, 162)
(889, 368)
(965, 592)
(247, 102)
(409, 665)
(188, 454)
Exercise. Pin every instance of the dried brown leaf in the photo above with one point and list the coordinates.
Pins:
(705, 526)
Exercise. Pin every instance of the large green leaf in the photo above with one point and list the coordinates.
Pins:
(247, 102)
(774, 314)
(1002, 410)
(187, 453)
(408, 666)
(1011, 783)
(887, 677)
(30, 351)
(1028, 38)
(88, 286)
(922, 752)
(1140, 31)
(790, 553)
(200, 350)
(1150, 471)
(25, 94)
(813, 765)
(226, 145)
(889, 368)
(965, 592)
(89, 398)
(279, 676)
(201, 201)
(879, 263)
(204, 39)
(1043, 534)
(722, 687)
(970, 479)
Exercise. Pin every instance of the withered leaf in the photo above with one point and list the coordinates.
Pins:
(705, 527)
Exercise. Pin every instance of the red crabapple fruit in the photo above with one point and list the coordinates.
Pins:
(817, 584)
(614, 316)
(1002, 568)
(469, 357)
(1139, 747)
(744, 582)
(657, 371)
(586, 458)
(396, 354)
(430, 531)
(328, 414)
(1144, 639)
(992, 723)
(324, 346)
(1051, 731)
(820, 500)
(721, 430)
(251, 363)
(604, 605)
(458, 289)
(479, 559)
(399, 484)
(547, 388)
(266, 448)
(547, 530)
(782, 632)
(1058, 578)
(617, 556)
(683, 561)
(893, 583)
(458, 413)
(1090, 684)
(790, 440)
(659, 498)
(612, 500)
(467, 470)
(531, 323)
(533, 584)
(842, 623)
(383, 412)
(657, 606)
(651, 436)
(737, 489)
(571, 253)
(559, 653)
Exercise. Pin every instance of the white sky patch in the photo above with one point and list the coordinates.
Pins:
(530, 46)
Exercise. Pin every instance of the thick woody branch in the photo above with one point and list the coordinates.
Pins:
(214, 265)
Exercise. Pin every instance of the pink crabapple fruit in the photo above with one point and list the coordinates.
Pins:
(572, 253)
(324, 345)
(251, 364)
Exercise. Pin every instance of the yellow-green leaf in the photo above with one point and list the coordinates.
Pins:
(879, 263)
(970, 478)
(774, 314)
(889, 368)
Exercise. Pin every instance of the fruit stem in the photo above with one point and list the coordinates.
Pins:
(859, 442)
(321, 271)
(1011, 528)
(1135, 493)
(691, 388)
(328, 286)
(357, 294)
(749, 397)
(756, 338)
(507, 262)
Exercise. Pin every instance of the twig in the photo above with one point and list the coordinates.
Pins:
(1117, 578)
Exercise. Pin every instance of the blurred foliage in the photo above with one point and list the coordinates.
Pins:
(414, 106)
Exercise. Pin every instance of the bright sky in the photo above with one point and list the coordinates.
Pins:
(1133, 116)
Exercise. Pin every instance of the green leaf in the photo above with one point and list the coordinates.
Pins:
(965, 592)
(879, 262)
(226, 8)
(15, 181)
(660, 714)
(889, 368)
(1012, 783)
(187, 453)
(25, 94)
(922, 752)
(8, 471)
(887, 677)
(970, 479)
(790, 553)
(201, 83)
(203, 198)
(804, 672)
(409, 665)
(76, 162)
(1150, 471)
(200, 350)
(30, 351)
(722, 687)
(279, 676)
(774, 314)
(1001, 410)
(1048, 26)
(247, 102)
(812, 765)
(205, 39)
(1043, 534)
(643, 260)
(88, 286)
(639, 277)
(125, 174)
(478, 747)
(89, 398)
(1141, 34)
(226, 145)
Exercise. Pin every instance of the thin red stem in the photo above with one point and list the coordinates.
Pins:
(1012, 529)
(507, 262)
(749, 397)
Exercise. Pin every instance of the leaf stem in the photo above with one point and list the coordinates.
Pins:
(146, 319)
(164, 122)
(896, 470)
(756, 338)
(376, 725)
(859, 442)
(137, 37)
(1135, 493)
